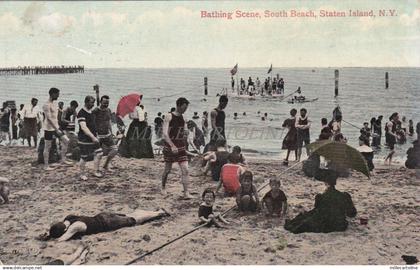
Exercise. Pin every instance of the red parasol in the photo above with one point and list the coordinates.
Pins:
(127, 104)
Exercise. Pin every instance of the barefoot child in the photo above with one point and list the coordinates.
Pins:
(205, 211)
(275, 201)
(247, 195)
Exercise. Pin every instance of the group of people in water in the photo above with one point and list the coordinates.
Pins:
(270, 86)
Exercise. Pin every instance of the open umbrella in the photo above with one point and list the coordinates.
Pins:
(127, 104)
(341, 154)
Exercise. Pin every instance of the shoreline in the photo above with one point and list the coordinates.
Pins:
(389, 200)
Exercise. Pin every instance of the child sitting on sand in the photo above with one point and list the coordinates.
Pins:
(247, 195)
(275, 201)
(205, 211)
(4, 190)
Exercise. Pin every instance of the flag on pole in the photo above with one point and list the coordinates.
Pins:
(234, 70)
(270, 69)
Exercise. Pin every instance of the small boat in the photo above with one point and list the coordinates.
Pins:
(292, 101)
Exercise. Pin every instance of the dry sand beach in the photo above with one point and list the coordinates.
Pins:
(389, 199)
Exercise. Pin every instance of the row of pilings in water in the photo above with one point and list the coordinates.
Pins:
(38, 70)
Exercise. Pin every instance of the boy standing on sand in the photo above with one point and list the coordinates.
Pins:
(174, 128)
(52, 129)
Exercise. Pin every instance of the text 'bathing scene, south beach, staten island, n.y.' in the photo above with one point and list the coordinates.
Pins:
(210, 133)
(293, 13)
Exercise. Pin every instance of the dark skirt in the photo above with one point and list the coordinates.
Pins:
(138, 141)
(313, 221)
(290, 141)
(30, 127)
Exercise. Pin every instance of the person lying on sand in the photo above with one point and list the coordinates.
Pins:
(4, 190)
(205, 211)
(75, 226)
(275, 201)
(247, 195)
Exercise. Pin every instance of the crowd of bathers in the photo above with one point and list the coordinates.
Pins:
(270, 86)
(181, 141)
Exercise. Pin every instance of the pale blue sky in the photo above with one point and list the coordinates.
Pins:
(172, 34)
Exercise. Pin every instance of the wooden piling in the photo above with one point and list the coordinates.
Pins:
(205, 86)
(336, 74)
(386, 80)
(96, 89)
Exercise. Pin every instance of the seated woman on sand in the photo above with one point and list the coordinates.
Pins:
(247, 195)
(329, 214)
(75, 226)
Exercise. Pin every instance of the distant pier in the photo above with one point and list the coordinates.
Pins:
(41, 70)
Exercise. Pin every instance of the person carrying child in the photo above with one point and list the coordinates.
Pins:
(275, 201)
(247, 195)
(205, 211)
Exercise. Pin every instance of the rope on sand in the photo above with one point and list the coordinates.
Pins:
(201, 225)
(167, 243)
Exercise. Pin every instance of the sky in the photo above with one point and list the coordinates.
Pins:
(164, 34)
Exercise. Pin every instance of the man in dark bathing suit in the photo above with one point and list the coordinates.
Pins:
(175, 149)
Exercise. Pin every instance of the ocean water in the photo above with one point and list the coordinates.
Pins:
(362, 95)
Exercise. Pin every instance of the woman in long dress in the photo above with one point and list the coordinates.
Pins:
(290, 140)
(138, 141)
(330, 210)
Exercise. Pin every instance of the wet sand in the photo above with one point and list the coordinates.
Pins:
(389, 199)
